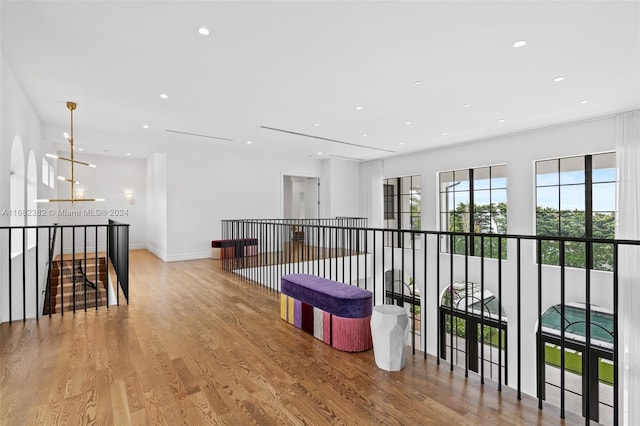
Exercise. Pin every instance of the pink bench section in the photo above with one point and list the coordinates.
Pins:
(336, 313)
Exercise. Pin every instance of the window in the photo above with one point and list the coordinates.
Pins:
(473, 330)
(599, 355)
(474, 200)
(402, 208)
(52, 177)
(45, 172)
(576, 197)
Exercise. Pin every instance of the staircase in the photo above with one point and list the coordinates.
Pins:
(74, 279)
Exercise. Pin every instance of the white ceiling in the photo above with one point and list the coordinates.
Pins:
(289, 65)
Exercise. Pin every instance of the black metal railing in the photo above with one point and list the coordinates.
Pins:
(51, 254)
(488, 309)
(119, 255)
(75, 259)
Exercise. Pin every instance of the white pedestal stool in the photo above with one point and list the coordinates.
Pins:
(390, 331)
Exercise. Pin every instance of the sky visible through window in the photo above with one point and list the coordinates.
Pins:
(572, 195)
(481, 194)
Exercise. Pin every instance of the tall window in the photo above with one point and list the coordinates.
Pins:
(474, 200)
(576, 197)
(402, 199)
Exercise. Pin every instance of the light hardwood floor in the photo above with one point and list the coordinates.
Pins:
(199, 346)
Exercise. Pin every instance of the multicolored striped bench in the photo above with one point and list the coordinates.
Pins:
(228, 249)
(336, 313)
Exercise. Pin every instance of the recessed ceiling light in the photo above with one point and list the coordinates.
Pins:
(80, 149)
(66, 135)
(519, 43)
(364, 135)
(164, 96)
(407, 122)
(249, 142)
(418, 83)
(501, 120)
(584, 101)
(316, 124)
(204, 31)
(145, 126)
(128, 154)
(444, 133)
(358, 107)
(401, 143)
(558, 79)
(319, 153)
(466, 105)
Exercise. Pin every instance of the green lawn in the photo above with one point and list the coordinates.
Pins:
(573, 363)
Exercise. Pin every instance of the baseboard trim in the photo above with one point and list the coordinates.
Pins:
(188, 256)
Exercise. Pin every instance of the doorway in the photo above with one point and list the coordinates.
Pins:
(301, 197)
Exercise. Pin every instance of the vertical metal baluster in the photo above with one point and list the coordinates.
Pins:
(10, 268)
(423, 306)
(107, 258)
(96, 272)
(466, 306)
(587, 338)
(518, 316)
(62, 271)
(37, 262)
(50, 258)
(482, 307)
(366, 258)
(451, 297)
(85, 278)
(24, 274)
(73, 267)
(413, 290)
(616, 335)
(500, 316)
(439, 335)
(562, 334)
(117, 228)
(540, 352)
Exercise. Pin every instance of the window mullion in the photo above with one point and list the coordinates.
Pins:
(588, 208)
(398, 208)
(471, 212)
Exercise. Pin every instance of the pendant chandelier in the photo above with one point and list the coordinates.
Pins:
(72, 161)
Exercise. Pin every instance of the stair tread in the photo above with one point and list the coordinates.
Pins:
(62, 284)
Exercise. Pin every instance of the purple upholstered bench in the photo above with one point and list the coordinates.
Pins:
(336, 313)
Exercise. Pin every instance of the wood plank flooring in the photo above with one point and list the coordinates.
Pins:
(198, 346)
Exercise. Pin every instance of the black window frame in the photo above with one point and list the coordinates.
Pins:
(588, 211)
(491, 243)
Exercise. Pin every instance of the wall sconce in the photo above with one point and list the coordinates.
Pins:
(128, 196)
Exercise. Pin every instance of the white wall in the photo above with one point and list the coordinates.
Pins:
(312, 195)
(518, 152)
(156, 233)
(371, 193)
(18, 118)
(111, 177)
(208, 182)
(341, 187)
